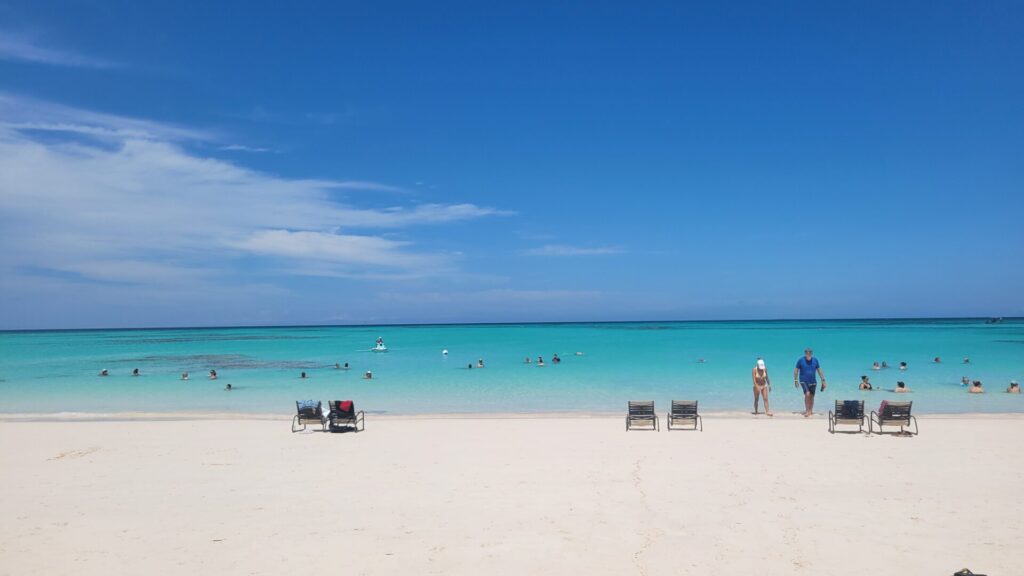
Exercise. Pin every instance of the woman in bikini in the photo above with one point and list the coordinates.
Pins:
(762, 385)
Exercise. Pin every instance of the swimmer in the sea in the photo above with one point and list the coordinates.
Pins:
(965, 381)
(184, 375)
(901, 388)
(228, 387)
(135, 372)
(555, 359)
(104, 372)
(368, 375)
(903, 365)
(884, 364)
(527, 361)
(480, 363)
(864, 384)
(1014, 387)
(302, 375)
(875, 366)
(213, 374)
(540, 360)
(937, 360)
(976, 388)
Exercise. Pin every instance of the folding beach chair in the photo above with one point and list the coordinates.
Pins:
(847, 412)
(343, 415)
(308, 411)
(641, 413)
(893, 414)
(685, 411)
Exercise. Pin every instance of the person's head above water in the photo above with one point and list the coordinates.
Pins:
(901, 385)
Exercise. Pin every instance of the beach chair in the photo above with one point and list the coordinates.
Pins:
(685, 411)
(308, 411)
(343, 415)
(643, 413)
(847, 412)
(893, 414)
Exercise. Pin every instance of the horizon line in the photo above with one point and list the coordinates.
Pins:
(535, 323)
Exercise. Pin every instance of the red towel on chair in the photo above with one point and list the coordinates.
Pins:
(345, 405)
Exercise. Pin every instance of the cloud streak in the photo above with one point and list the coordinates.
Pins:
(25, 115)
(138, 207)
(22, 49)
(562, 250)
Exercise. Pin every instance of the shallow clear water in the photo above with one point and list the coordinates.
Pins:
(57, 371)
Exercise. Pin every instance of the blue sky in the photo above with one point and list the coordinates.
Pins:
(251, 163)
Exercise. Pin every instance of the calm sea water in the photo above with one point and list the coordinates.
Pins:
(57, 371)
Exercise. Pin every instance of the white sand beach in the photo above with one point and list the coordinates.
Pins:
(509, 496)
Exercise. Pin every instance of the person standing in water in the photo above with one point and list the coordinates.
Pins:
(762, 385)
(804, 377)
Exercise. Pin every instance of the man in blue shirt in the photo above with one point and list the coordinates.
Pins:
(803, 376)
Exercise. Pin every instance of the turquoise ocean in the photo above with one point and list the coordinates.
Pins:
(57, 371)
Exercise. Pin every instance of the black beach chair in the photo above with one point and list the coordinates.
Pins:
(893, 414)
(847, 412)
(343, 415)
(685, 411)
(308, 411)
(642, 413)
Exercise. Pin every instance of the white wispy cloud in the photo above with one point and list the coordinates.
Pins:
(243, 148)
(495, 296)
(345, 249)
(25, 114)
(138, 207)
(564, 250)
(24, 49)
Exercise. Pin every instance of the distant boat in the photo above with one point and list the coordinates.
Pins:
(993, 321)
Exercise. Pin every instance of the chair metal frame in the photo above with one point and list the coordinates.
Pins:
(685, 410)
(642, 412)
